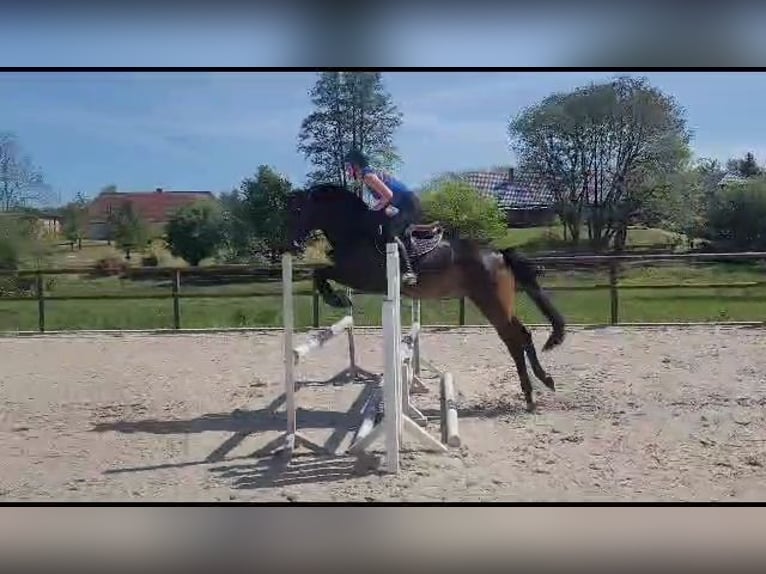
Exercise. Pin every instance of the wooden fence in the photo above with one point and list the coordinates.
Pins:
(614, 263)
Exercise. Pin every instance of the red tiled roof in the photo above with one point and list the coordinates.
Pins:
(153, 206)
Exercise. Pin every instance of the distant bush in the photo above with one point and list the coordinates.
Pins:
(110, 266)
(150, 260)
(15, 286)
(463, 211)
(196, 231)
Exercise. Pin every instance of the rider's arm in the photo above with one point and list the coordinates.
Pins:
(380, 188)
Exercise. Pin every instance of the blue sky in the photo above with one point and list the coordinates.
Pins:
(208, 130)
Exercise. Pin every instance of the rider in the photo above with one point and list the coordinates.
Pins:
(400, 204)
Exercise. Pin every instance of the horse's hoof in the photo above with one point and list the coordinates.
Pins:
(409, 279)
(549, 382)
(531, 406)
(553, 341)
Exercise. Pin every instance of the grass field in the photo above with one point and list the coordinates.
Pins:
(578, 306)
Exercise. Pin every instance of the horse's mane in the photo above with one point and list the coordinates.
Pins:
(330, 192)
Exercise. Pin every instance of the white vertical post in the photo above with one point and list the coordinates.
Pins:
(392, 336)
(416, 342)
(287, 320)
(395, 422)
(351, 352)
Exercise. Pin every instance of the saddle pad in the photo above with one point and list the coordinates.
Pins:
(419, 246)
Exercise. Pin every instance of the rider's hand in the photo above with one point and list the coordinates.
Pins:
(391, 210)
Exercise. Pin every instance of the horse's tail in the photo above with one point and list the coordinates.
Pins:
(526, 274)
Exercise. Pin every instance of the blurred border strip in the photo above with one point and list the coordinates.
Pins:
(300, 537)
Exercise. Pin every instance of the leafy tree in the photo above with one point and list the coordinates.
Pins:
(745, 167)
(131, 232)
(238, 242)
(19, 239)
(463, 210)
(11, 239)
(195, 231)
(680, 201)
(737, 216)
(75, 220)
(351, 109)
(264, 208)
(597, 147)
(255, 217)
(21, 183)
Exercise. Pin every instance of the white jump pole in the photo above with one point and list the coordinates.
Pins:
(320, 338)
(449, 411)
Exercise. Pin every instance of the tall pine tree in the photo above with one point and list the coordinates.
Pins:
(351, 109)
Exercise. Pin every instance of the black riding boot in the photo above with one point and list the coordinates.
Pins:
(409, 277)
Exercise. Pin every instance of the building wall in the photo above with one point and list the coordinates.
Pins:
(50, 226)
(99, 231)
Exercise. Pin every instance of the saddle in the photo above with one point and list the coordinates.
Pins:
(424, 230)
(420, 239)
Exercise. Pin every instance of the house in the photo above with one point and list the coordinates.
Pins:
(50, 222)
(731, 178)
(524, 197)
(47, 222)
(154, 207)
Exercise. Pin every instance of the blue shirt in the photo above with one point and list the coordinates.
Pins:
(398, 188)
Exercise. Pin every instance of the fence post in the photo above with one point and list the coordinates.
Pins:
(176, 301)
(461, 312)
(614, 315)
(40, 302)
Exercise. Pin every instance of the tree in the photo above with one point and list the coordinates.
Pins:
(21, 183)
(264, 205)
(11, 241)
(255, 216)
(351, 109)
(463, 211)
(195, 231)
(597, 147)
(745, 167)
(131, 233)
(75, 220)
(737, 217)
(19, 239)
(238, 242)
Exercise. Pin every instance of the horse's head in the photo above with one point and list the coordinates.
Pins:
(325, 207)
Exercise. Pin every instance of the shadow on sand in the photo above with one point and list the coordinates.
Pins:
(277, 471)
(260, 469)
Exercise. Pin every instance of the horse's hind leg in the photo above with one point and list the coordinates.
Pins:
(494, 306)
(529, 348)
(330, 296)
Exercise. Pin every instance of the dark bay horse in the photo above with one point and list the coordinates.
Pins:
(446, 268)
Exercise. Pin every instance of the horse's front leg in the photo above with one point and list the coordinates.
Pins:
(330, 296)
